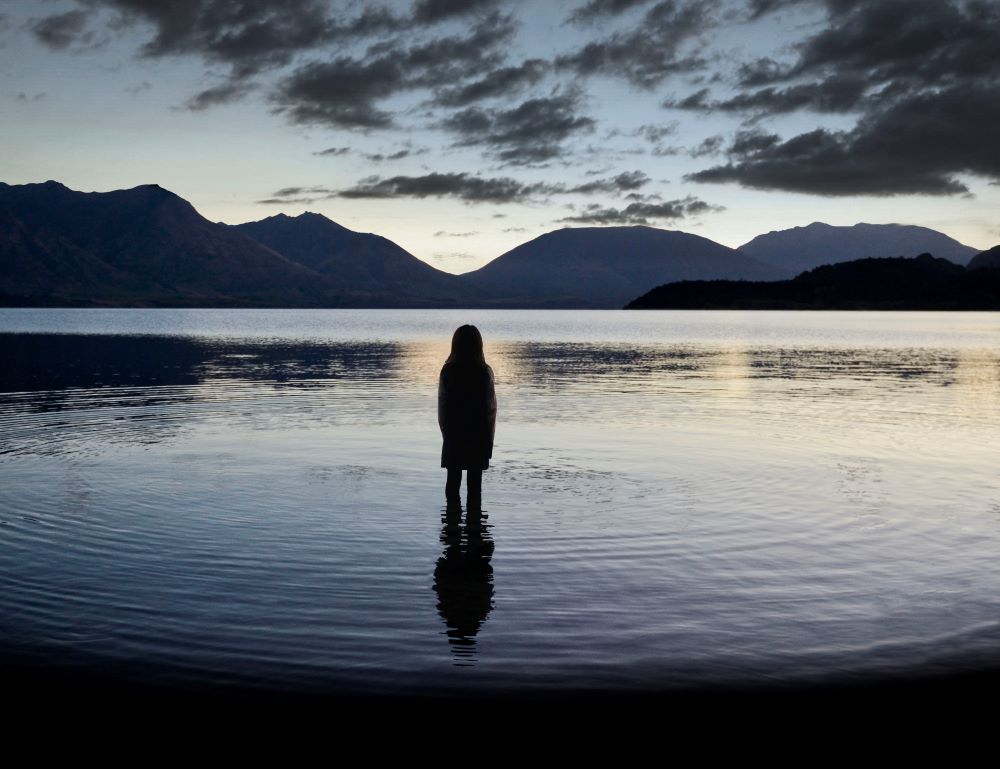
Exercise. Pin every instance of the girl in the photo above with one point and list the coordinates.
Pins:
(467, 411)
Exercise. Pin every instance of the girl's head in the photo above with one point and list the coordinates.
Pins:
(466, 347)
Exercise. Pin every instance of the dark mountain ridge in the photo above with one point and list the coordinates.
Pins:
(900, 283)
(605, 266)
(143, 246)
(802, 248)
(986, 260)
(362, 265)
(148, 247)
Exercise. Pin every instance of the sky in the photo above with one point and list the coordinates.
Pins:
(460, 129)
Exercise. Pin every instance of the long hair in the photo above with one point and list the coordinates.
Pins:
(466, 349)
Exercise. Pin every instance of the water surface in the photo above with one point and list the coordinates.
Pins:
(676, 498)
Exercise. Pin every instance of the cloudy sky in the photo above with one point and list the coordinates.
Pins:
(461, 128)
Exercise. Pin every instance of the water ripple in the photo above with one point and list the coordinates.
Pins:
(739, 504)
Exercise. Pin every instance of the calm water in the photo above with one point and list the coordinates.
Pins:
(255, 498)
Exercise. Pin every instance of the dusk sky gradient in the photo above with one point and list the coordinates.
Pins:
(462, 129)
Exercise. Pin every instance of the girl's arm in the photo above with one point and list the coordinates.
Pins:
(491, 408)
(441, 402)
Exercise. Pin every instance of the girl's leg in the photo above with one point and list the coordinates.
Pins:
(452, 485)
(474, 484)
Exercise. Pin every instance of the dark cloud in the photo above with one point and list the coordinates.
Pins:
(462, 186)
(710, 146)
(472, 189)
(330, 152)
(379, 157)
(916, 42)
(760, 72)
(341, 92)
(432, 11)
(596, 9)
(531, 132)
(295, 191)
(304, 195)
(247, 34)
(695, 101)
(344, 92)
(444, 234)
(759, 8)
(623, 182)
(918, 145)
(837, 93)
(747, 143)
(642, 213)
(221, 94)
(866, 54)
(654, 134)
(649, 52)
(631, 180)
(61, 30)
(891, 49)
(924, 76)
(449, 59)
(500, 82)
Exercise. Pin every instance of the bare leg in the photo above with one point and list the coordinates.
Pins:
(474, 484)
(451, 488)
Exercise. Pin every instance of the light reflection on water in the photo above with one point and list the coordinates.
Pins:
(255, 497)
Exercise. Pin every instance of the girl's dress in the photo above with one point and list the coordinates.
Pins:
(467, 410)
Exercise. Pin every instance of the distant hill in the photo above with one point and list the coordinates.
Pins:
(920, 283)
(987, 259)
(606, 266)
(139, 247)
(362, 265)
(802, 248)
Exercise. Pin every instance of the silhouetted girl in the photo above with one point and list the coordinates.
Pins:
(467, 410)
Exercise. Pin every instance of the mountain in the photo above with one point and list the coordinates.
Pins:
(138, 247)
(986, 259)
(802, 248)
(148, 247)
(606, 266)
(366, 266)
(900, 283)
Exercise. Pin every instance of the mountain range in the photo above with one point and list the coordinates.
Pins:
(147, 246)
(802, 248)
(144, 246)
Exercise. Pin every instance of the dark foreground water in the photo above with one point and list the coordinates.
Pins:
(254, 498)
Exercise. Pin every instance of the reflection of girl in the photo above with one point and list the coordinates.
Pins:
(467, 409)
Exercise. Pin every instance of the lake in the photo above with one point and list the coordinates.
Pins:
(254, 498)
